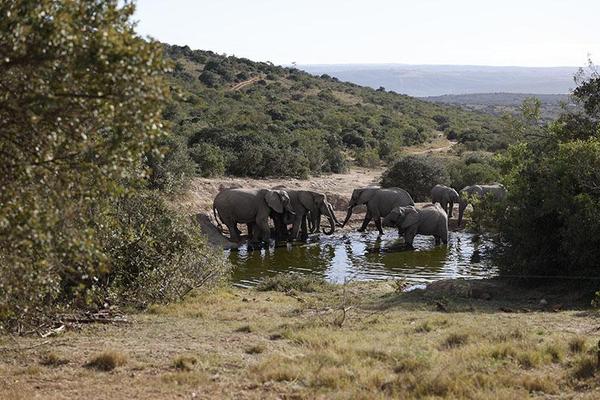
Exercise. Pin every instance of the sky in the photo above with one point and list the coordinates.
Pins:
(456, 32)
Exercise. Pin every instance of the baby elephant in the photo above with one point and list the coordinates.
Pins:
(412, 221)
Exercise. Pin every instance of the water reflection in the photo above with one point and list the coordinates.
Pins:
(368, 256)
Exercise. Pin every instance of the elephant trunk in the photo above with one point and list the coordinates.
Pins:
(348, 215)
(330, 208)
(331, 225)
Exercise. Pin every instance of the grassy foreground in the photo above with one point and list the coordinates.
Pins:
(362, 340)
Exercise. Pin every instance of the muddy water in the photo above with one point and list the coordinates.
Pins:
(368, 256)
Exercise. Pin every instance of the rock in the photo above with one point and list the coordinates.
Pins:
(543, 302)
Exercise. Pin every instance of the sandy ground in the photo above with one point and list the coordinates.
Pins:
(337, 187)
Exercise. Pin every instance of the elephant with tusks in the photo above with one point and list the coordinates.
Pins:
(496, 190)
(251, 207)
(379, 203)
(411, 221)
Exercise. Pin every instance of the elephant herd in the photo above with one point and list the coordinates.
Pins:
(303, 209)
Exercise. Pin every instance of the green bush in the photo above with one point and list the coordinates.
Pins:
(416, 174)
(171, 168)
(366, 157)
(156, 255)
(550, 224)
(209, 159)
(466, 171)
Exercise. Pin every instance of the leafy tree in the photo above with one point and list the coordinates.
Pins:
(416, 174)
(82, 99)
(550, 223)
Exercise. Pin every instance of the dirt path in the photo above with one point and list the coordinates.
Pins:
(243, 84)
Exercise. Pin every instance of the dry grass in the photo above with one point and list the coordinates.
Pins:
(392, 345)
(255, 349)
(455, 340)
(584, 367)
(107, 361)
(52, 359)
(577, 344)
(184, 363)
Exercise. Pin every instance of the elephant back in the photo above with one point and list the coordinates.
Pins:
(402, 197)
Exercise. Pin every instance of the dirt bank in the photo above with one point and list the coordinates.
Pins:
(337, 187)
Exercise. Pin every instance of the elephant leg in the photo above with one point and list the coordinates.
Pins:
(378, 225)
(250, 228)
(265, 231)
(450, 208)
(296, 227)
(234, 232)
(409, 236)
(437, 240)
(304, 228)
(366, 221)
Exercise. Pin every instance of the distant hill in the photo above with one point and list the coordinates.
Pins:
(552, 105)
(247, 118)
(436, 80)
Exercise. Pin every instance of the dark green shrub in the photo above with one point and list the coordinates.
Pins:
(156, 255)
(366, 157)
(550, 224)
(210, 79)
(416, 174)
(171, 169)
(209, 159)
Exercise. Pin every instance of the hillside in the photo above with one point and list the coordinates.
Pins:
(552, 105)
(436, 80)
(247, 118)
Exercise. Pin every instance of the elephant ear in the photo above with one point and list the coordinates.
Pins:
(318, 199)
(411, 216)
(274, 201)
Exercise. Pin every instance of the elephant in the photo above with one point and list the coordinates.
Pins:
(496, 190)
(308, 206)
(412, 221)
(446, 196)
(251, 207)
(379, 204)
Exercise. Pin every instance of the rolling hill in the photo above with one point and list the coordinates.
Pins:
(247, 118)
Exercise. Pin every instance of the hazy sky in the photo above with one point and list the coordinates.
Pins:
(481, 32)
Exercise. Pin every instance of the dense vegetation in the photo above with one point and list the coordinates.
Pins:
(82, 99)
(549, 224)
(286, 122)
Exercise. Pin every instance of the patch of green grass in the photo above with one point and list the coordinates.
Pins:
(107, 361)
(288, 282)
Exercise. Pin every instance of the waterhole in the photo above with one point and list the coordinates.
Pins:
(367, 256)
